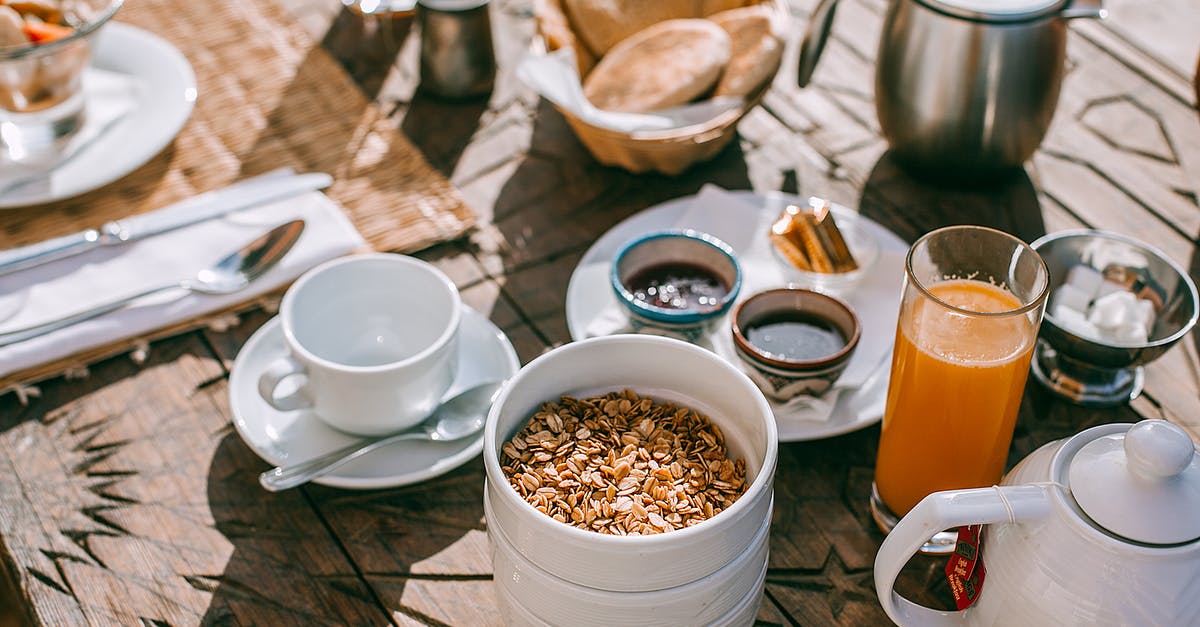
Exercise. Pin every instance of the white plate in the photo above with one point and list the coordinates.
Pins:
(166, 98)
(876, 300)
(484, 354)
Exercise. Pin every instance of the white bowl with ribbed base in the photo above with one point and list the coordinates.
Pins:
(530, 595)
(662, 369)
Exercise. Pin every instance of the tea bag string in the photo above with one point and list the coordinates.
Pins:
(1012, 517)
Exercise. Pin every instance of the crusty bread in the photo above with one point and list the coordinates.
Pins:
(556, 30)
(755, 52)
(604, 23)
(665, 65)
(709, 7)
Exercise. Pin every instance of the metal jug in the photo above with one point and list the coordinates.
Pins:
(963, 87)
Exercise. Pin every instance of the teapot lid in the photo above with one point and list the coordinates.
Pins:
(996, 10)
(1143, 485)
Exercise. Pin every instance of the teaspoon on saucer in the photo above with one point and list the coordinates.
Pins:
(456, 418)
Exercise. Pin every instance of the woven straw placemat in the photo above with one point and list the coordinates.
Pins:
(268, 97)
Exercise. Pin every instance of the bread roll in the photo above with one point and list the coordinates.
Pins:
(755, 53)
(556, 30)
(665, 65)
(604, 23)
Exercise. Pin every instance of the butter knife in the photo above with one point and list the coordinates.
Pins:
(250, 192)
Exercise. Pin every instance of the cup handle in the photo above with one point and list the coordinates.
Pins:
(279, 370)
(935, 513)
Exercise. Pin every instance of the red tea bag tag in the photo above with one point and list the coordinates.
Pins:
(965, 570)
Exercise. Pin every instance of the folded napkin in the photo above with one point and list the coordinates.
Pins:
(556, 77)
(59, 288)
(876, 300)
(109, 97)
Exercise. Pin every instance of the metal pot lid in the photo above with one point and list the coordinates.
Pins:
(1143, 485)
(996, 10)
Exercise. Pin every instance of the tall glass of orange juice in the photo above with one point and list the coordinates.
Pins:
(969, 317)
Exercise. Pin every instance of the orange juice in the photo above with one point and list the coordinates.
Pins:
(956, 386)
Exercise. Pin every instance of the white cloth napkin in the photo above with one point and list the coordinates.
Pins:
(110, 96)
(719, 213)
(98, 276)
(556, 77)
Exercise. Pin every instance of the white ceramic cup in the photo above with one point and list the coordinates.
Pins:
(374, 338)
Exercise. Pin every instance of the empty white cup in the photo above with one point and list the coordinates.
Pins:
(374, 338)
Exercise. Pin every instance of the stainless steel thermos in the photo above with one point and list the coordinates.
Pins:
(964, 86)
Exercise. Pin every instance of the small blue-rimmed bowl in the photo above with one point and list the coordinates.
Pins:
(691, 248)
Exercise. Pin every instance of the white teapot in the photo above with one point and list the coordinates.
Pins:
(1102, 528)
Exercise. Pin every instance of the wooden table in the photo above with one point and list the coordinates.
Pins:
(126, 497)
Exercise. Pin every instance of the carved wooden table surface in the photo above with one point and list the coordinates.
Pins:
(128, 498)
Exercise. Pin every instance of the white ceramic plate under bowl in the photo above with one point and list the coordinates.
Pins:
(484, 354)
(166, 95)
(592, 308)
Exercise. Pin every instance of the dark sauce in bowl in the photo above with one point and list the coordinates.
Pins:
(680, 286)
(795, 336)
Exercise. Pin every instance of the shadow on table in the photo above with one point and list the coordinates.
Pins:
(292, 551)
(560, 198)
(913, 206)
(442, 128)
(367, 45)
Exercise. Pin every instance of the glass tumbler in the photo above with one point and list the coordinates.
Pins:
(41, 85)
(969, 316)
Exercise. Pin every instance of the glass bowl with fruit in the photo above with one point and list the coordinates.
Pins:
(44, 47)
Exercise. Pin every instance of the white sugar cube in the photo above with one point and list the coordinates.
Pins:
(1130, 333)
(1143, 313)
(1112, 310)
(1070, 297)
(1108, 287)
(1074, 321)
(1086, 279)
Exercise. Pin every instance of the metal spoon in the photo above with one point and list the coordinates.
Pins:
(227, 276)
(455, 419)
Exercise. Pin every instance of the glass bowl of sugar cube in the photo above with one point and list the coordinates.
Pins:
(1115, 305)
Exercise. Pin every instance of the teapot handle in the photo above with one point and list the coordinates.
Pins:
(935, 513)
(819, 25)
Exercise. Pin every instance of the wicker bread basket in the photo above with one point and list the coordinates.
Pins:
(671, 151)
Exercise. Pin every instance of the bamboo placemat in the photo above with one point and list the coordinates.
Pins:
(268, 97)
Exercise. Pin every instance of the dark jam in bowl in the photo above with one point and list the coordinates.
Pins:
(795, 336)
(681, 286)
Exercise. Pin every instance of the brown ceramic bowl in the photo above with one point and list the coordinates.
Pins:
(782, 378)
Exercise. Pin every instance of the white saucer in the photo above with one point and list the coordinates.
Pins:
(589, 296)
(484, 354)
(166, 98)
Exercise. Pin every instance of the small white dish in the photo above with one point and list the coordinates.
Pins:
(862, 244)
(165, 101)
(876, 300)
(484, 354)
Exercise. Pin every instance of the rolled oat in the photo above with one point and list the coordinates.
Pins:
(622, 465)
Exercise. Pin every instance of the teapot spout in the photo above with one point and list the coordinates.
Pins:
(1091, 9)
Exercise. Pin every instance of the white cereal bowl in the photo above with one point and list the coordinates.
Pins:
(663, 369)
(530, 595)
